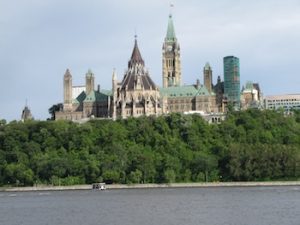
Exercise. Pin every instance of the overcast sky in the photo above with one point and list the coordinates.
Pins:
(40, 39)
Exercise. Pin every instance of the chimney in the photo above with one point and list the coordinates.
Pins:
(197, 84)
(98, 88)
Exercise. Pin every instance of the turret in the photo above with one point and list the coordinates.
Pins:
(207, 76)
(67, 91)
(89, 82)
(26, 113)
(114, 94)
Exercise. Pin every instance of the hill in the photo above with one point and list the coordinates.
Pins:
(249, 145)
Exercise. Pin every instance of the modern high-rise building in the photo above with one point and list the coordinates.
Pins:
(232, 81)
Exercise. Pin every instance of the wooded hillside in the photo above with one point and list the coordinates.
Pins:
(249, 146)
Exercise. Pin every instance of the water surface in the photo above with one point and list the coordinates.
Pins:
(172, 206)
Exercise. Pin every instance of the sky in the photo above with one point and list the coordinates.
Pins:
(39, 40)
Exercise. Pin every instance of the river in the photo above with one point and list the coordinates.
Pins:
(160, 206)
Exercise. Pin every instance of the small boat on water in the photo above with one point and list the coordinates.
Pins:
(99, 186)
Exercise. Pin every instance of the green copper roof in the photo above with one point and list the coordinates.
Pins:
(207, 66)
(80, 98)
(95, 96)
(171, 31)
(184, 91)
(249, 85)
(106, 92)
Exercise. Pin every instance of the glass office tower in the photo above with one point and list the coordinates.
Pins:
(232, 81)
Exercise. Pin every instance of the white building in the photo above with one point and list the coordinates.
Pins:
(286, 102)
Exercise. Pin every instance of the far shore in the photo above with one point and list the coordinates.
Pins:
(145, 186)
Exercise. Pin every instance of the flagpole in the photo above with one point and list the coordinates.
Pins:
(171, 6)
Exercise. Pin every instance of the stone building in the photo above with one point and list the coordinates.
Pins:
(207, 77)
(89, 103)
(26, 114)
(171, 64)
(137, 95)
(177, 97)
(285, 102)
(251, 96)
(219, 91)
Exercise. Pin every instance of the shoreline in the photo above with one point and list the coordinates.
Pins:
(148, 186)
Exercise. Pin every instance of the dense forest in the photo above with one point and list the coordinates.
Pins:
(249, 145)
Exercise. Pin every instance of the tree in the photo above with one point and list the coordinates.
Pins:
(135, 176)
(55, 108)
(111, 176)
(169, 176)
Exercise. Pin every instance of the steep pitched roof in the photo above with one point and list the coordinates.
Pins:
(26, 113)
(136, 75)
(67, 73)
(136, 57)
(131, 78)
(80, 98)
(171, 31)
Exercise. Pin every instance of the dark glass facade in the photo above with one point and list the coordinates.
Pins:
(232, 80)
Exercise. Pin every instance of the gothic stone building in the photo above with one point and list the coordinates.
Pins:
(89, 103)
(137, 94)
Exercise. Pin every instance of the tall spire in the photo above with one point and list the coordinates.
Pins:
(171, 58)
(171, 31)
(136, 57)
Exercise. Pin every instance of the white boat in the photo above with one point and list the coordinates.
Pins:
(99, 186)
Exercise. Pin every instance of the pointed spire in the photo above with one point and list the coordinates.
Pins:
(67, 73)
(136, 57)
(171, 31)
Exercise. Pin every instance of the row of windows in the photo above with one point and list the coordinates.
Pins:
(138, 112)
(285, 103)
(180, 101)
(186, 94)
(188, 100)
(187, 107)
(170, 62)
(284, 100)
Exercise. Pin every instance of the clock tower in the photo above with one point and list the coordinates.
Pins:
(171, 66)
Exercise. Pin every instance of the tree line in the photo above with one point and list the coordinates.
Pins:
(250, 145)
